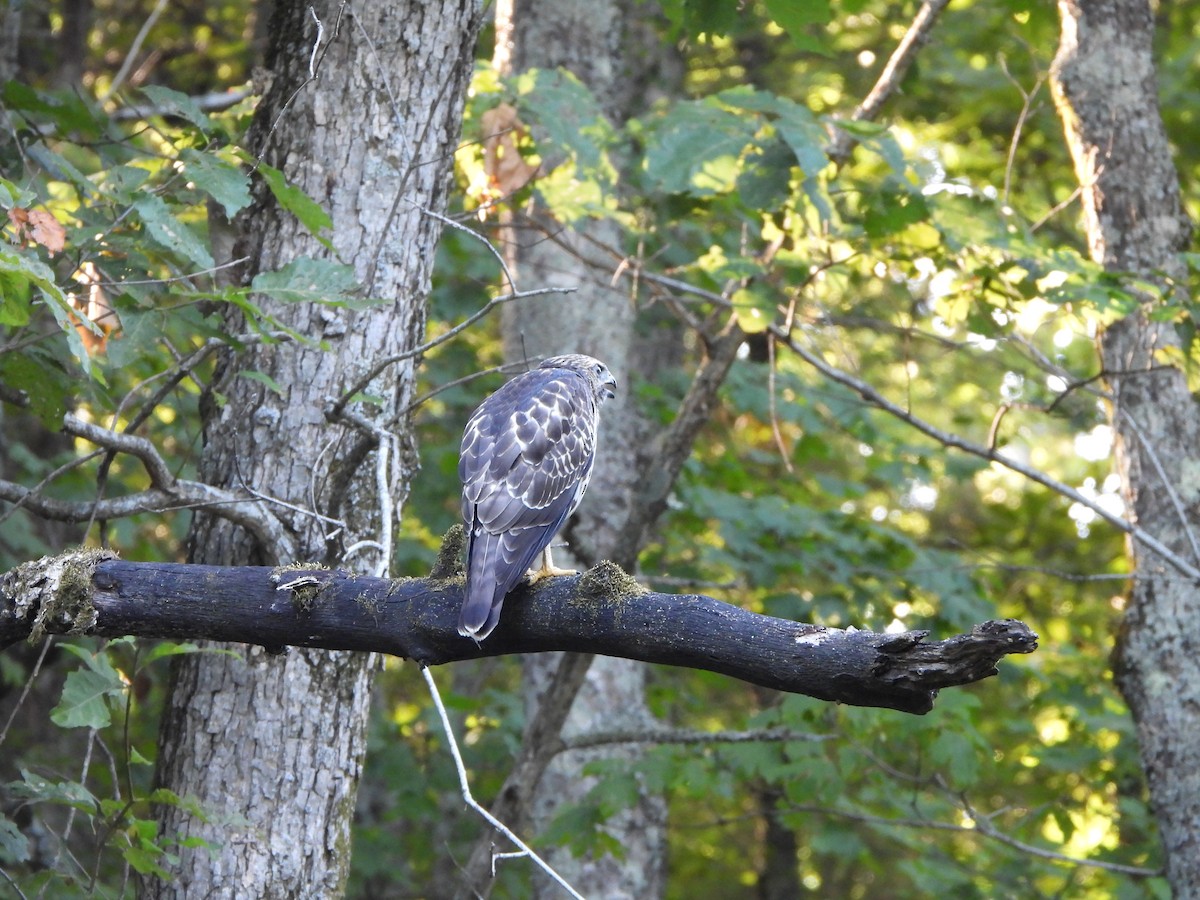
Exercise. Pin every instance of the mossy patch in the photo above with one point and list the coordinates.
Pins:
(450, 557)
(608, 582)
(69, 605)
(306, 589)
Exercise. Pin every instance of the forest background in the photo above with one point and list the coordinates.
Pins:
(915, 300)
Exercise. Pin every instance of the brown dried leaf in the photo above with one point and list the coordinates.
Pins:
(38, 226)
(507, 170)
(46, 230)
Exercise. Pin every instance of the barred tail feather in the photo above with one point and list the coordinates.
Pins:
(484, 595)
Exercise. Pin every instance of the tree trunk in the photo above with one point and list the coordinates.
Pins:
(592, 41)
(272, 744)
(10, 40)
(1106, 93)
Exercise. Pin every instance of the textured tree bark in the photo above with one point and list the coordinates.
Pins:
(591, 40)
(10, 39)
(363, 113)
(1106, 93)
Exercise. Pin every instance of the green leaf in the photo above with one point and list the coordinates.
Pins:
(892, 212)
(574, 196)
(170, 648)
(61, 167)
(19, 268)
(84, 700)
(695, 147)
(859, 128)
(697, 17)
(1064, 821)
(567, 113)
(169, 232)
(169, 102)
(14, 846)
(123, 181)
(223, 181)
(796, 124)
(39, 374)
(765, 181)
(70, 793)
(796, 16)
(754, 308)
(14, 298)
(69, 112)
(308, 279)
(298, 203)
(12, 195)
(262, 378)
(955, 753)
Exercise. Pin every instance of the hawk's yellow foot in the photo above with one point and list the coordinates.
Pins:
(547, 569)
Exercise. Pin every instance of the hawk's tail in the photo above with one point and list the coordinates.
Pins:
(484, 595)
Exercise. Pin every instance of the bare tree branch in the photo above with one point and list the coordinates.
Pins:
(335, 408)
(143, 449)
(183, 494)
(654, 734)
(694, 412)
(889, 79)
(539, 746)
(949, 439)
(982, 826)
(465, 789)
(601, 611)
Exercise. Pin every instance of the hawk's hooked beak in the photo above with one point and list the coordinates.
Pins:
(609, 389)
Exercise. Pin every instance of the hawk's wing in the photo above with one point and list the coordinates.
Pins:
(525, 460)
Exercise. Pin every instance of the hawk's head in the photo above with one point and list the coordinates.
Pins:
(601, 381)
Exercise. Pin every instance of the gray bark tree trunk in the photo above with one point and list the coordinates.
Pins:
(272, 745)
(10, 38)
(591, 40)
(1106, 93)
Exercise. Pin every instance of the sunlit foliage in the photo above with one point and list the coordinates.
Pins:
(941, 264)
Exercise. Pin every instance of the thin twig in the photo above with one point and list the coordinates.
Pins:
(1026, 106)
(985, 830)
(336, 409)
(1167, 483)
(773, 413)
(465, 787)
(37, 667)
(947, 439)
(889, 79)
(134, 49)
(505, 369)
(446, 220)
(18, 503)
(183, 494)
(312, 58)
(13, 884)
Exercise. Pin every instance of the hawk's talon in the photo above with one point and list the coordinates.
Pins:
(547, 569)
(536, 575)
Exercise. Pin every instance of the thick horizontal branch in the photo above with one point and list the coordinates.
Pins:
(602, 611)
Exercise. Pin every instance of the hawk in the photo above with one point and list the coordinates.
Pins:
(525, 461)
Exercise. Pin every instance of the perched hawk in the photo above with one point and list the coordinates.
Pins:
(525, 461)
